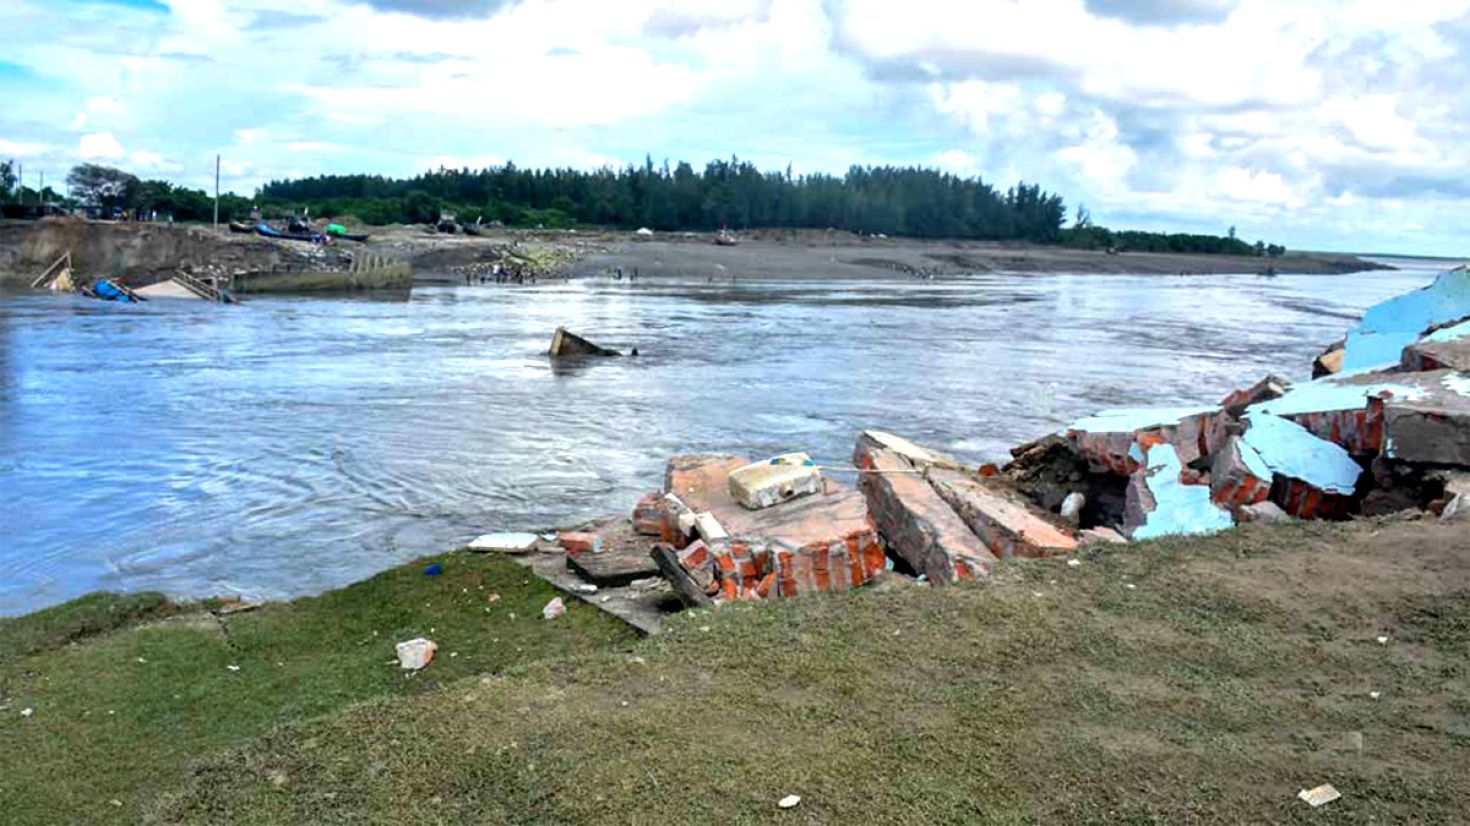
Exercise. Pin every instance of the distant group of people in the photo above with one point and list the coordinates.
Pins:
(617, 273)
(502, 274)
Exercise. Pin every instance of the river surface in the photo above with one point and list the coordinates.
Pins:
(290, 445)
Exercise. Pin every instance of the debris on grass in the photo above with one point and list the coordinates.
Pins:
(416, 653)
(553, 609)
(1319, 795)
(789, 801)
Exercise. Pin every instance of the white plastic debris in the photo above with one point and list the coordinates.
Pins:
(1073, 562)
(1319, 795)
(789, 801)
(553, 609)
(26, 712)
(1071, 510)
(1383, 640)
(505, 542)
(585, 588)
(1375, 694)
(232, 667)
(416, 653)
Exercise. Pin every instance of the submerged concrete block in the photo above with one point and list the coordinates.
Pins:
(918, 525)
(1003, 521)
(763, 484)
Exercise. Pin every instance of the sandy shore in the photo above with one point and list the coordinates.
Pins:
(842, 255)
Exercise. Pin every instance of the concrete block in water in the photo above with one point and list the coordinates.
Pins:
(1003, 521)
(763, 484)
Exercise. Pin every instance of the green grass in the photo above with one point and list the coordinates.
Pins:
(126, 689)
(1234, 672)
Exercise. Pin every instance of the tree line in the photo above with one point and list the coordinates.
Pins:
(899, 201)
(891, 200)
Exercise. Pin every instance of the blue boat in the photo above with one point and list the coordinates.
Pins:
(271, 232)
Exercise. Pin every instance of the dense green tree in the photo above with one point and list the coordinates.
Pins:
(102, 186)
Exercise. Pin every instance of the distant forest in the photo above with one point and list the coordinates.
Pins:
(895, 201)
(898, 201)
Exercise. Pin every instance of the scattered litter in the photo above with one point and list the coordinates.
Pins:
(585, 588)
(141, 660)
(1073, 562)
(232, 667)
(606, 599)
(26, 712)
(789, 801)
(1383, 640)
(114, 802)
(763, 484)
(704, 628)
(416, 653)
(1375, 694)
(553, 609)
(494, 597)
(1130, 586)
(1036, 593)
(434, 570)
(1071, 510)
(1320, 795)
(625, 704)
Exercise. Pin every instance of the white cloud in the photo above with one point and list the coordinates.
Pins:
(1246, 185)
(956, 161)
(22, 149)
(100, 146)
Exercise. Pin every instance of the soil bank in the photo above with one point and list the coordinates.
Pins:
(841, 255)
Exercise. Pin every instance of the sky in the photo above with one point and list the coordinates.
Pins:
(1321, 125)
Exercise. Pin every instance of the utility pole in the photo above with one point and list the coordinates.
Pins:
(216, 193)
(41, 199)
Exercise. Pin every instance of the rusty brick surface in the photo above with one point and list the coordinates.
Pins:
(579, 542)
(647, 518)
(1003, 521)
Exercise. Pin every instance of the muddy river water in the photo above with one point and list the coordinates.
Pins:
(289, 445)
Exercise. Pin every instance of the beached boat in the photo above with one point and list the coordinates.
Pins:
(271, 232)
(726, 238)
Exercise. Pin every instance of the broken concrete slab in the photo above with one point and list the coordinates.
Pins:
(1390, 326)
(566, 343)
(1238, 476)
(1432, 424)
(1106, 439)
(1314, 478)
(1268, 388)
(763, 484)
(1161, 502)
(918, 525)
(827, 538)
(1447, 347)
(1007, 524)
(641, 604)
(917, 455)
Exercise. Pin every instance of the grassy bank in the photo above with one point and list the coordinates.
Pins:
(1177, 681)
(126, 690)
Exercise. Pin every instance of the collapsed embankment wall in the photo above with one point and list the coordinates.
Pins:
(140, 254)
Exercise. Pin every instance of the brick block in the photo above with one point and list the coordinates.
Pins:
(1238, 476)
(647, 518)
(580, 542)
(1002, 520)
(916, 523)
